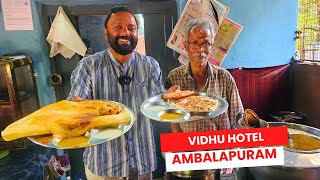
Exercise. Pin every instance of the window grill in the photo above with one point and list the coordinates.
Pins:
(308, 33)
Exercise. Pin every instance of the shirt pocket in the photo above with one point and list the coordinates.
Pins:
(140, 82)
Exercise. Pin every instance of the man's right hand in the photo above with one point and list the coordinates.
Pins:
(76, 99)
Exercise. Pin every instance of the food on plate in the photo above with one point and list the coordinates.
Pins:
(177, 95)
(304, 142)
(66, 119)
(170, 116)
(80, 141)
(106, 133)
(109, 109)
(43, 139)
(196, 103)
(195, 117)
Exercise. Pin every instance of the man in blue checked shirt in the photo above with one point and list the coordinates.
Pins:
(120, 74)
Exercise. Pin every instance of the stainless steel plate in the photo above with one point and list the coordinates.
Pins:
(156, 106)
(95, 136)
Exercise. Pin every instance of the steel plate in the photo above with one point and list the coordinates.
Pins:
(96, 136)
(156, 106)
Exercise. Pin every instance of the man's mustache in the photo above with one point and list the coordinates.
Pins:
(199, 54)
(124, 37)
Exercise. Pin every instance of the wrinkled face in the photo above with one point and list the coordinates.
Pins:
(122, 33)
(199, 45)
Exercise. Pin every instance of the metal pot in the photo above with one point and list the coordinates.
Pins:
(299, 165)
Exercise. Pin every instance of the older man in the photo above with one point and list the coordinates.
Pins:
(202, 76)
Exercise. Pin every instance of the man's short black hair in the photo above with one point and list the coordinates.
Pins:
(119, 9)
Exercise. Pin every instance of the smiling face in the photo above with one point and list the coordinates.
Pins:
(122, 32)
(199, 45)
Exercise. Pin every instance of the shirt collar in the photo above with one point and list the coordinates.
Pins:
(122, 66)
(211, 70)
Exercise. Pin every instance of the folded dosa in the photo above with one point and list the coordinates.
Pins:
(178, 94)
(68, 119)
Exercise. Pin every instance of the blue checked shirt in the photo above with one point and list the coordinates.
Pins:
(96, 77)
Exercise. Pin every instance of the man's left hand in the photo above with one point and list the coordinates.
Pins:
(174, 88)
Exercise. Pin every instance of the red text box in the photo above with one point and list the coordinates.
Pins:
(223, 139)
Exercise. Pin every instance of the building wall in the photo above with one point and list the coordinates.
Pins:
(33, 44)
(306, 87)
(267, 38)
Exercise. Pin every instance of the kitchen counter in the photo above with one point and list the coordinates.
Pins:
(26, 163)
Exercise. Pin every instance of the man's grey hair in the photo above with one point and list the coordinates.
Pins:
(200, 23)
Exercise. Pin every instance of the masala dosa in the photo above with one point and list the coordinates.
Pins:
(68, 119)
